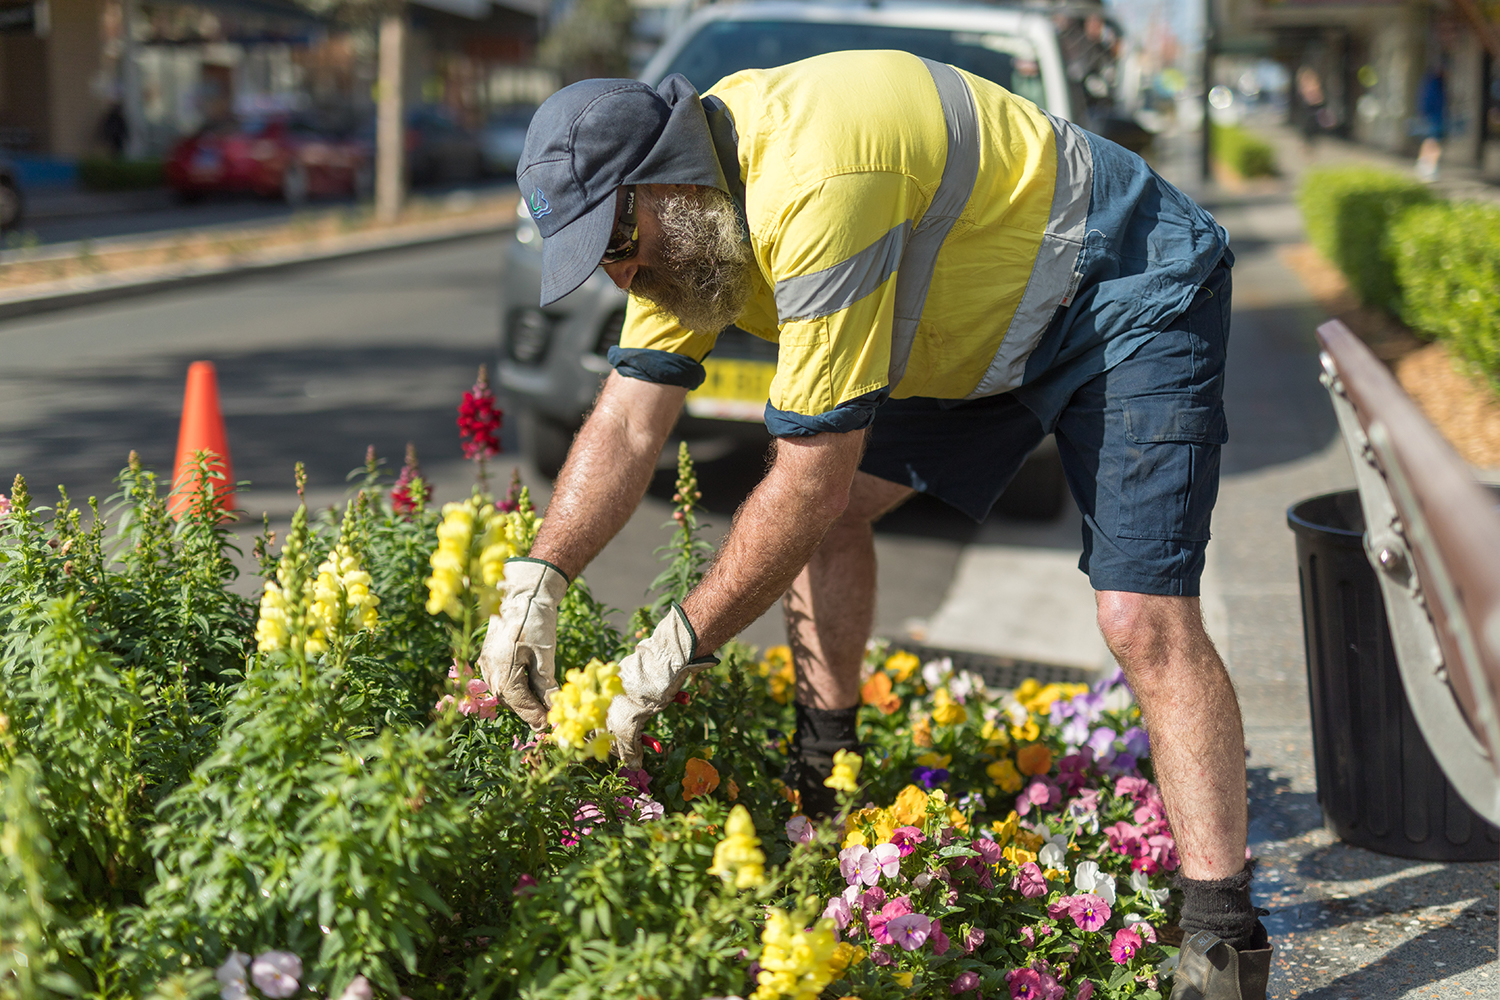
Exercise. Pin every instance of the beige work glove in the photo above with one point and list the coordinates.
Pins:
(521, 644)
(652, 676)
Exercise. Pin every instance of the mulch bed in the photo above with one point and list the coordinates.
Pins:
(1461, 403)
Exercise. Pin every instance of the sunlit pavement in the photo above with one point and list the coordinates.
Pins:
(1348, 924)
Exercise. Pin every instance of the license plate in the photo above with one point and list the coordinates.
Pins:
(732, 390)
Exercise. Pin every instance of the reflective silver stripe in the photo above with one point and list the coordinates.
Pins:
(825, 292)
(1053, 277)
(960, 171)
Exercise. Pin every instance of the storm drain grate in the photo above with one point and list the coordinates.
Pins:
(1000, 671)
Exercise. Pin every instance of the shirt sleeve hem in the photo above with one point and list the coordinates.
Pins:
(661, 367)
(853, 415)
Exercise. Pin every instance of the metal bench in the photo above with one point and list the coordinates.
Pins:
(1433, 537)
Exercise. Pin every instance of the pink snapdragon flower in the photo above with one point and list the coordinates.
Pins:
(4, 505)
(1126, 943)
(1029, 881)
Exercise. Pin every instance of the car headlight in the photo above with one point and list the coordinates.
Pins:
(526, 231)
(528, 334)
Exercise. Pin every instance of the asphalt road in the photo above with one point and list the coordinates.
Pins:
(318, 363)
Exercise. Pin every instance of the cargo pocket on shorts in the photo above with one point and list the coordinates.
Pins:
(1170, 477)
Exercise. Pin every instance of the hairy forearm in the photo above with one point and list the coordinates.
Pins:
(774, 533)
(607, 471)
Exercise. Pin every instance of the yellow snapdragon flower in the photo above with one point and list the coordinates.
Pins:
(794, 963)
(844, 956)
(474, 540)
(738, 858)
(273, 630)
(845, 776)
(580, 709)
(342, 602)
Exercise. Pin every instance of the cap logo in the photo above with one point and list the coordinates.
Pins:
(539, 205)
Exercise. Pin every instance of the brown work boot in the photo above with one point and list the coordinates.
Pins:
(1208, 969)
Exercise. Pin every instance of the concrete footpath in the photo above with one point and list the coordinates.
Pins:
(1348, 924)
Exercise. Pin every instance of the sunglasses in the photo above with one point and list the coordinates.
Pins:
(624, 242)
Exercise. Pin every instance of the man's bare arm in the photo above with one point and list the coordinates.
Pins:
(608, 470)
(774, 534)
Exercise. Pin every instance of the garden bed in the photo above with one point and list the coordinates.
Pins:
(1460, 401)
(311, 794)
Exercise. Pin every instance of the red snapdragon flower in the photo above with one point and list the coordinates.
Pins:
(479, 420)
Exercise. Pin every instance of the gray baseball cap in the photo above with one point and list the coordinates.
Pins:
(589, 139)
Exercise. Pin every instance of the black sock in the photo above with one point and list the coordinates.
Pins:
(821, 732)
(1222, 907)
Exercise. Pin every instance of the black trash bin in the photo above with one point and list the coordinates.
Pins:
(1378, 783)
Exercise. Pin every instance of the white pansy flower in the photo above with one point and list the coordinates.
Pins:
(1118, 699)
(934, 672)
(1141, 883)
(1051, 856)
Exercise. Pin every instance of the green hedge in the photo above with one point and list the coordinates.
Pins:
(1349, 212)
(1244, 153)
(1447, 264)
(104, 174)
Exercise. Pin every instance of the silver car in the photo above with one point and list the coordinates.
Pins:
(552, 360)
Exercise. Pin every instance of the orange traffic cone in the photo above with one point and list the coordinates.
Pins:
(202, 429)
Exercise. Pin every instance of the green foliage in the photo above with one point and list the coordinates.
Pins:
(591, 39)
(1447, 262)
(102, 173)
(1349, 212)
(1243, 152)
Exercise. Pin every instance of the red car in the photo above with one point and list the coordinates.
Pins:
(287, 158)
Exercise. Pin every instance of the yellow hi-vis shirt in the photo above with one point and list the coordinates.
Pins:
(916, 230)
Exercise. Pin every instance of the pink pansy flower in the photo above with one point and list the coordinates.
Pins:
(1123, 948)
(638, 778)
(888, 857)
(839, 911)
(524, 885)
(231, 976)
(1025, 984)
(1086, 991)
(990, 852)
(275, 973)
(1131, 787)
(871, 900)
(1028, 934)
(1028, 881)
(799, 829)
(858, 864)
(1040, 793)
(1138, 923)
(906, 839)
(648, 809)
(910, 930)
(965, 982)
(940, 942)
(973, 939)
(1089, 912)
(898, 907)
(880, 956)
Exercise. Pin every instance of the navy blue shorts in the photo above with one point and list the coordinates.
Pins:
(1139, 445)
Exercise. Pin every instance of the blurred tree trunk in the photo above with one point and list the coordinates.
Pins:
(390, 128)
